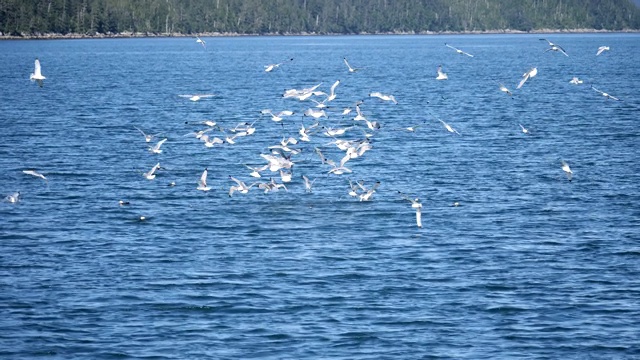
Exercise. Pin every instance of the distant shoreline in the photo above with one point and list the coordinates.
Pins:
(126, 35)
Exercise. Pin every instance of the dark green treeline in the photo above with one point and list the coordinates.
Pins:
(311, 16)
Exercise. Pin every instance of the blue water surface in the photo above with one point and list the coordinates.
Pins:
(528, 265)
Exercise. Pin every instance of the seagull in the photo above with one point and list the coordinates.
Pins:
(123, 203)
(441, 75)
(602, 49)
(211, 141)
(555, 47)
(415, 203)
(35, 173)
(567, 170)
(504, 89)
(383, 97)
(575, 81)
(351, 69)
(151, 174)
(37, 74)
(202, 183)
(147, 137)
(255, 171)
(332, 94)
(308, 183)
(605, 94)
(524, 130)
(359, 116)
(448, 127)
(526, 76)
(368, 193)
(316, 114)
(458, 50)
(271, 67)
(278, 116)
(156, 148)
(13, 198)
(197, 97)
(201, 42)
(241, 187)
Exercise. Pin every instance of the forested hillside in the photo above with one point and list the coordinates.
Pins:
(29, 17)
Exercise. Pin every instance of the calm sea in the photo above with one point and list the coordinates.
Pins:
(528, 265)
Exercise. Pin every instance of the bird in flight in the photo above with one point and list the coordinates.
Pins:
(201, 42)
(37, 74)
(458, 50)
(196, 97)
(202, 183)
(555, 47)
(415, 203)
(602, 49)
(35, 173)
(605, 94)
(526, 76)
(271, 67)
(441, 75)
(351, 69)
(567, 170)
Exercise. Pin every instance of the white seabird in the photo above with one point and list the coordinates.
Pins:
(150, 175)
(602, 49)
(201, 42)
(196, 97)
(458, 50)
(202, 183)
(13, 198)
(448, 127)
(567, 170)
(528, 75)
(147, 137)
(156, 148)
(605, 94)
(415, 204)
(441, 75)
(555, 47)
(37, 74)
(383, 97)
(35, 173)
(351, 69)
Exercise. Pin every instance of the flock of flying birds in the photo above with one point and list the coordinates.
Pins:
(280, 158)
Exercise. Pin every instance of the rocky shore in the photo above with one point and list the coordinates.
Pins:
(45, 36)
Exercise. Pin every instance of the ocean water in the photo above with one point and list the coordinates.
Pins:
(529, 265)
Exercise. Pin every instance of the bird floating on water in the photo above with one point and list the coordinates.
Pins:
(37, 74)
(458, 50)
